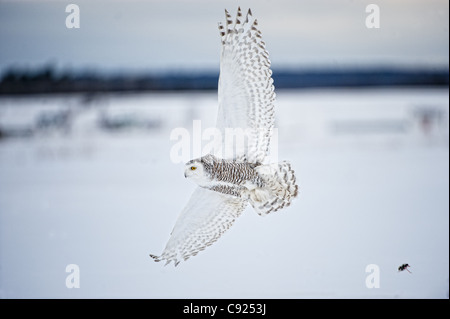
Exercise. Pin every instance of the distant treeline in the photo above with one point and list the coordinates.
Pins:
(46, 80)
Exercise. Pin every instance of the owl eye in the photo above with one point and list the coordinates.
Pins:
(193, 168)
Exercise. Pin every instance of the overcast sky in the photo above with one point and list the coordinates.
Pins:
(166, 34)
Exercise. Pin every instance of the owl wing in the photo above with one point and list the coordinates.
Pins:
(205, 218)
(246, 91)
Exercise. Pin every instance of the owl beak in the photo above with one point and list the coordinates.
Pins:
(185, 175)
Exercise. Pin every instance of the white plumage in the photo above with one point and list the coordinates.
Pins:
(246, 91)
(205, 218)
(240, 176)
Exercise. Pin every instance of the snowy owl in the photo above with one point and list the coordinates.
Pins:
(226, 185)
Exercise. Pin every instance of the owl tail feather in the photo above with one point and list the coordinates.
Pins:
(279, 190)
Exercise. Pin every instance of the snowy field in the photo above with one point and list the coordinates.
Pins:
(88, 180)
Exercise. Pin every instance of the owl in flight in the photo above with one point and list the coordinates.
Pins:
(226, 184)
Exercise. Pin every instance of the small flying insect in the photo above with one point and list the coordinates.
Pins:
(404, 267)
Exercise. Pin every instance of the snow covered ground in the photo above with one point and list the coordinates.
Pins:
(88, 180)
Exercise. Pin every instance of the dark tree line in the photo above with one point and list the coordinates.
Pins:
(47, 80)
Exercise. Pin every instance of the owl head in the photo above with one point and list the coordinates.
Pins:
(199, 170)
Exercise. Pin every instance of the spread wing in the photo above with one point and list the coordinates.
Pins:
(205, 218)
(246, 91)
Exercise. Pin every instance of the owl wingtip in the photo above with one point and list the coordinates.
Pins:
(168, 261)
(155, 258)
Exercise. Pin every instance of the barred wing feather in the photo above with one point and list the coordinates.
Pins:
(246, 91)
(205, 218)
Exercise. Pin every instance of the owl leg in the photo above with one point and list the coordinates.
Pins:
(279, 190)
(255, 193)
(259, 195)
